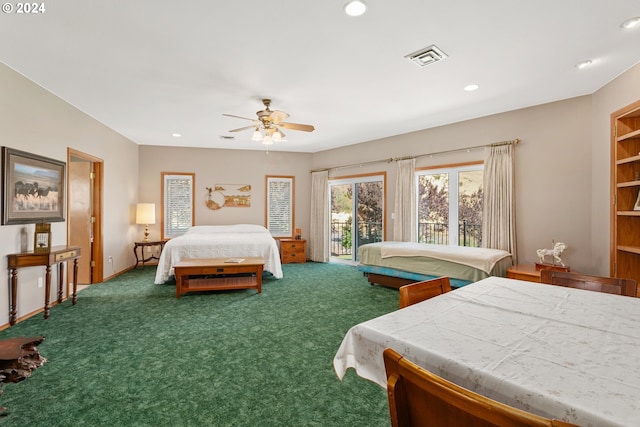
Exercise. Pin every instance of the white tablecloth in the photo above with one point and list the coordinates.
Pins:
(558, 352)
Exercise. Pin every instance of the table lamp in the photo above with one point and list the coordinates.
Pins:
(146, 214)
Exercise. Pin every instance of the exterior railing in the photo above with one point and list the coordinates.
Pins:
(428, 232)
(438, 233)
(342, 238)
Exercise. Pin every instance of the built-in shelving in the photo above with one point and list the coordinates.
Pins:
(631, 249)
(630, 135)
(625, 189)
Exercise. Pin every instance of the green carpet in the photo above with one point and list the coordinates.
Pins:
(130, 353)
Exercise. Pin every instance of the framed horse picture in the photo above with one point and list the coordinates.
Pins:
(33, 188)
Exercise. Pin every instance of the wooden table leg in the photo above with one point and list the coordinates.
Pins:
(135, 252)
(13, 312)
(47, 291)
(60, 281)
(75, 281)
(178, 283)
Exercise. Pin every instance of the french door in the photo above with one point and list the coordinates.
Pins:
(357, 214)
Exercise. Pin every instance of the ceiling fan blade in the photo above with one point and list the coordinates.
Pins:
(242, 128)
(297, 126)
(278, 116)
(238, 117)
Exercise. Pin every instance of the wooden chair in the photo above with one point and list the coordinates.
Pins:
(610, 285)
(420, 291)
(419, 398)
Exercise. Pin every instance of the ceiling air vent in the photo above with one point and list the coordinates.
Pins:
(427, 56)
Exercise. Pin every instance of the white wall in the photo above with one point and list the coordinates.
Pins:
(214, 166)
(553, 169)
(38, 122)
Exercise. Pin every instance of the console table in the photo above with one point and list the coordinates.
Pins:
(57, 255)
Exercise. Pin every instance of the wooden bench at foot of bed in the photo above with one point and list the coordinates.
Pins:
(213, 274)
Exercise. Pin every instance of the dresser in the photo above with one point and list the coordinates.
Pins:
(293, 250)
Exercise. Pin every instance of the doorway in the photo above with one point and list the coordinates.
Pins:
(84, 213)
(357, 214)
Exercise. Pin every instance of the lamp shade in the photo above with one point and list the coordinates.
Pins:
(146, 213)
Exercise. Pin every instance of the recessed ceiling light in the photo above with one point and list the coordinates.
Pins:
(631, 23)
(355, 8)
(176, 135)
(471, 87)
(583, 64)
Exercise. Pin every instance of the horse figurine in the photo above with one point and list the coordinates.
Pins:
(555, 253)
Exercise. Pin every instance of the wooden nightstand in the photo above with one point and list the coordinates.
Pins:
(292, 250)
(526, 272)
(141, 258)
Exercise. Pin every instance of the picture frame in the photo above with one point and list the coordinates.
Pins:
(636, 207)
(33, 188)
(42, 238)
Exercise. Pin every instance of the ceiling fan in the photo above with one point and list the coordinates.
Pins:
(269, 124)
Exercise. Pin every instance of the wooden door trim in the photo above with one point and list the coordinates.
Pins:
(97, 275)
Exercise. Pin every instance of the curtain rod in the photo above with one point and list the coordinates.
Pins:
(396, 159)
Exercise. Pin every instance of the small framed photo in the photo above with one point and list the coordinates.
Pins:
(42, 238)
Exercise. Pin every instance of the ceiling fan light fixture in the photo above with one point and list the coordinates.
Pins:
(355, 8)
(257, 135)
(277, 136)
(267, 140)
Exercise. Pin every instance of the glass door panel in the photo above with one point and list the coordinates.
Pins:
(341, 221)
(357, 215)
(370, 210)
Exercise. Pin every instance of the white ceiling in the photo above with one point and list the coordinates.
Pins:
(150, 68)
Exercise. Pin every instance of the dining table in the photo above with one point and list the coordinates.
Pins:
(558, 352)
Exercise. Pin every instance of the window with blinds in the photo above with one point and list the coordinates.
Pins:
(280, 203)
(177, 203)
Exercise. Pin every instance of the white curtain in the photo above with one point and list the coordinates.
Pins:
(498, 208)
(319, 221)
(404, 221)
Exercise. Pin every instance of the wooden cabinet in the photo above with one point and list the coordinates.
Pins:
(531, 272)
(525, 272)
(625, 186)
(292, 250)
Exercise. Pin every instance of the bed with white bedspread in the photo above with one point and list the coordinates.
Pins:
(220, 241)
(395, 264)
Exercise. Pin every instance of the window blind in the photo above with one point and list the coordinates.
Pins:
(178, 204)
